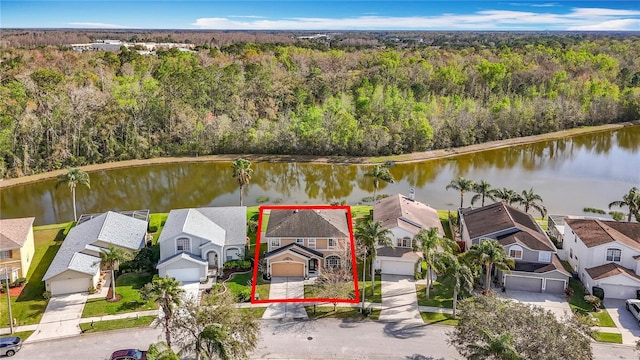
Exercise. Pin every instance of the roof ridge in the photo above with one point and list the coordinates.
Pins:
(102, 227)
(611, 232)
(321, 212)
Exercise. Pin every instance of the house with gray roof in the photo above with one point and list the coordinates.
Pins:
(195, 241)
(76, 266)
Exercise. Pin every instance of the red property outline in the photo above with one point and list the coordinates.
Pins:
(257, 255)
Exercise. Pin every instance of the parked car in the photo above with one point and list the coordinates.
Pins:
(633, 305)
(129, 354)
(10, 345)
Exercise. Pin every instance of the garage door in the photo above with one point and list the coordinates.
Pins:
(287, 269)
(184, 275)
(554, 286)
(523, 283)
(619, 291)
(70, 286)
(397, 267)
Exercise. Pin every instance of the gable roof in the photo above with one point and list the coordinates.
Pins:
(293, 247)
(301, 223)
(594, 232)
(14, 232)
(220, 225)
(404, 253)
(400, 211)
(111, 227)
(183, 255)
(554, 265)
(610, 269)
(498, 217)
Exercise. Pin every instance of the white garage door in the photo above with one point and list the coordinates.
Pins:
(397, 267)
(69, 286)
(523, 283)
(554, 286)
(184, 275)
(619, 291)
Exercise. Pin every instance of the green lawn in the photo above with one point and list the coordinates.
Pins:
(132, 322)
(340, 313)
(438, 318)
(256, 312)
(127, 286)
(24, 335)
(159, 219)
(30, 305)
(377, 288)
(238, 283)
(444, 219)
(441, 295)
(360, 211)
(608, 337)
(578, 304)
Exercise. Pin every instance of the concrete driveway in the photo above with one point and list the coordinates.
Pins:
(624, 320)
(283, 288)
(399, 300)
(555, 303)
(61, 317)
(191, 291)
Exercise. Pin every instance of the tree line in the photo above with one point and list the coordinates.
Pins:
(63, 108)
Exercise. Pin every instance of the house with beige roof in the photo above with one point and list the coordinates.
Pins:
(537, 266)
(605, 254)
(16, 247)
(404, 217)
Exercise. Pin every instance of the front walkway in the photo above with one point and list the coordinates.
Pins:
(61, 318)
(399, 300)
(286, 288)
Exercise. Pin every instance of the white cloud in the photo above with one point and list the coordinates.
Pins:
(611, 25)
(99, 25)
(246, 16)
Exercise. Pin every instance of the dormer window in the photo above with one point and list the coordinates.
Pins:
(183, 244)
(614, 255)
(515, 252)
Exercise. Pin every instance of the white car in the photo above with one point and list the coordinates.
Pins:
(633, 305)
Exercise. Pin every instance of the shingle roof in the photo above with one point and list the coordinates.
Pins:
(111, 227)
(529, 238)
(220, 225)
(293, 247)
(400, 211)
(610, 269)
(14, 232)
(595, 232)
(540, 268)
(183, 255)
(404, 253)
(308, 223)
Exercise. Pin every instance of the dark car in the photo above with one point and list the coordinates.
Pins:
(129, 354)
(10, 345)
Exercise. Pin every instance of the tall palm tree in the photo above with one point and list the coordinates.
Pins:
(482, 190)
(167, 293)
(499, 347)
(490, 253)
(370, 235)
(242, 171)
(461, 184)
(463, 277)
(529, 200)
(110, 259)
(507, 195)
(379, 173)
(631, 200)
(72, 178)
(431, 244)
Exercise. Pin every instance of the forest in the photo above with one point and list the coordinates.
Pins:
(63, 108)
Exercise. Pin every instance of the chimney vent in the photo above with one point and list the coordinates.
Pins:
(412, 194)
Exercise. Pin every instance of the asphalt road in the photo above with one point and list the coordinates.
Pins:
(320, 339)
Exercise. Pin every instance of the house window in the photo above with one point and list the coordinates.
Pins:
(275, 242)
(183, 244)
(614, 255)
(332, 243)
(544, 256)
(312, 243)
(571, 253)
(5, 254)
(332, 262)
(515, 252)
(406, 242)
(300, 241)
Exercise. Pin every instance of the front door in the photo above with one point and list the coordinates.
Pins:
(312, 264)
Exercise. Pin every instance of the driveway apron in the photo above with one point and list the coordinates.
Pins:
(555, 303)
(61, 317)
(624, 320)
(399, 300)
(286, 288)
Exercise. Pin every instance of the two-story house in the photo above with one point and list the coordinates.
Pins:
(404, 217)
(16, 247)
(194, 242)
(537, 266)
(605, 254)
(301, 242)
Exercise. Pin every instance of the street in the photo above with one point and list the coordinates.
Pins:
(319, 339)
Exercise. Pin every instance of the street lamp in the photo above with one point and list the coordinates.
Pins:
(6, 278)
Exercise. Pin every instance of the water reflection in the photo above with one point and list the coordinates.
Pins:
(588, 170)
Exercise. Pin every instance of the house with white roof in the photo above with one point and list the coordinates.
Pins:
(76, 266)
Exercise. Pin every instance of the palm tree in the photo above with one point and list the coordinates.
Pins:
(631, 200)
(461, 184)
(160, 351)
(72, 178)
(110, 259)
(242, 172)
(499, 347)
(482, 190)
(167, 293)
(463, 277)
(490, 253)
(529, 200)
(379, 173)
(369, 235)
(507, 195)
(431, 244)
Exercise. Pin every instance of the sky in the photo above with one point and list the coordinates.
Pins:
(586, 15)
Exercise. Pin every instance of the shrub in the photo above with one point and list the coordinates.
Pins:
(594, 301)
(19, 282)
(46, 295)
(417, 275)
(244, 295)
(156, 221)
(252, 225)
(263, 199)
(237, 264)
(594, 210)
(92, 289)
